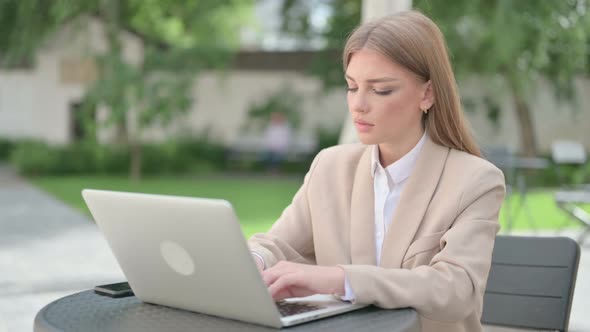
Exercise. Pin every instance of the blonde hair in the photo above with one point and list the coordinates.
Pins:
(413, 41)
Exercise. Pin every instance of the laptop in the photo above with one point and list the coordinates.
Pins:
(191, 254)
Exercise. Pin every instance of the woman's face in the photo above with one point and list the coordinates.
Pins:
(384, 99)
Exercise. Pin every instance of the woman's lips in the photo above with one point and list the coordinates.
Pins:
(362, 126)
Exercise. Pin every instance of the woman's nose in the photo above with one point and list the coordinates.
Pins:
(358, 103)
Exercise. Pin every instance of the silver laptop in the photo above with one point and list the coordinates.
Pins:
(190, 253)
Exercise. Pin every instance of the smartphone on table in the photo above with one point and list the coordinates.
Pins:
(120, 289)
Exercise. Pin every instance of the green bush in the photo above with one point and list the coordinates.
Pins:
(327, 137)
(185, 156)
(202, 150)
(35, 158)
(6, 147)
(197, 155)
(115, 159)
(582, 175)
(297, 167)
(557, 176)
(79, 158)
(162, 159)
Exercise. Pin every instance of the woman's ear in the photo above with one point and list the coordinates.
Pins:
(427, 97)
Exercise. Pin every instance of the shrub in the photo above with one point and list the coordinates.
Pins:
(189, 155)
(79, 158)
(35, 158)
(6, 147)
(327, 137)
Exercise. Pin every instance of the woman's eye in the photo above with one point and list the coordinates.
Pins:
(349, 89)
(382, 92)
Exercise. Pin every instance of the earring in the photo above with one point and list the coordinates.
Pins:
(425, 111)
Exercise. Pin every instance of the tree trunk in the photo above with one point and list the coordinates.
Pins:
(121, 135)
(111, 15)
(135, 165)
(528, 141)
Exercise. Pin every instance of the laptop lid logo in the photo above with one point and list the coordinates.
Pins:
(177, 258)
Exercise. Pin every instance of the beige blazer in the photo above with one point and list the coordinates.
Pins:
(437, 252)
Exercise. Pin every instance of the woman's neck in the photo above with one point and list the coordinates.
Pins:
(392, 152)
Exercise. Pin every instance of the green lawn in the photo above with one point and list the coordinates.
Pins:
(543, 211)
(258, 202)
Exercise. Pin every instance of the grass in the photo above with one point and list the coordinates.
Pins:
(260, 201)
(544, 213)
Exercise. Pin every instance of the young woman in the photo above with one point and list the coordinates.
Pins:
(408, 218)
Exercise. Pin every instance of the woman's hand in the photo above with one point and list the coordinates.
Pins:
(287, 279)
(259, 263)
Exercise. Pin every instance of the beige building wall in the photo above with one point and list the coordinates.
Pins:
(223, 102)
(552, 119)
(36, 103)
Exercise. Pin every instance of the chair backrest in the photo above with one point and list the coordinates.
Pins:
(568, 152)
(500, 155)
(531, 282)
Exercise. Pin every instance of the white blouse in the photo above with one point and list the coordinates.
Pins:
(388, 184)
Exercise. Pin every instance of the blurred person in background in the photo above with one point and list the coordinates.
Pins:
(407, 218)
(277, 139)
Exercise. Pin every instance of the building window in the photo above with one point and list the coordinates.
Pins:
(78, 71)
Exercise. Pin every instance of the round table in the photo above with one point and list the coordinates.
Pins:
(87, 311)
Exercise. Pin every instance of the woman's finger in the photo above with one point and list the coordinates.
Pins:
(271, 275)
(281, 288)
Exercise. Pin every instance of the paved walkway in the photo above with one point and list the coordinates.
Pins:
(48, 250)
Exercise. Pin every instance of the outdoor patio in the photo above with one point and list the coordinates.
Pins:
(48, 251)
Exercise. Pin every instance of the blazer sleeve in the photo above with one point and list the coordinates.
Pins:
(290, 237)
(452, 285)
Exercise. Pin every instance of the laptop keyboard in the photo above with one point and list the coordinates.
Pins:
(294, 308)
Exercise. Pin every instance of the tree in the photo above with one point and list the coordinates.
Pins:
(517, 42)
(180, 39)
(514, 42)
(344, 16)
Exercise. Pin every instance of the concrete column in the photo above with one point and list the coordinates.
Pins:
(372, 9)
(376, 8)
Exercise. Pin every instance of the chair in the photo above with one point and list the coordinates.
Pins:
(531, 283)
(500, 155)
(503, 157)
(569, 198)
(514, 169)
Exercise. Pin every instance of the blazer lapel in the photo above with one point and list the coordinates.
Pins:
(413, 203)
(362, 215)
